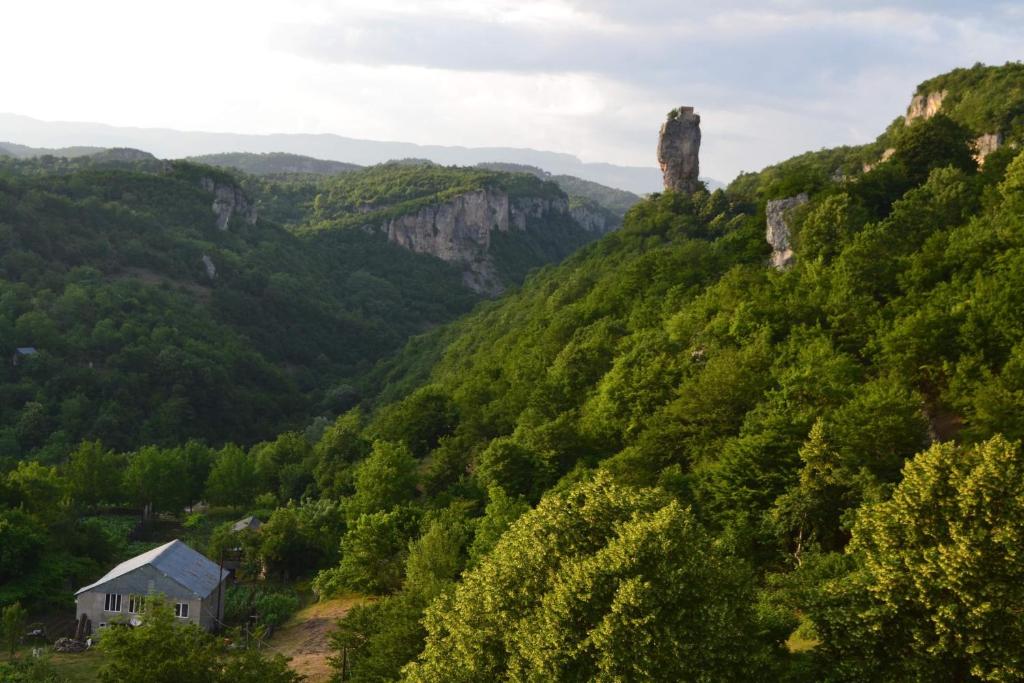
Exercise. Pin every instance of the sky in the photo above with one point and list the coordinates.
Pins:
(594, 78)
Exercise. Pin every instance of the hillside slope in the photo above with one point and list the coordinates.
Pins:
(778, 404)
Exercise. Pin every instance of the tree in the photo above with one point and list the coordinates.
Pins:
(284, 465)
(828, 225)
(14, 619)
(161, 651)
(94, 474)
(419, 421)
(233, 479)
(385, 479)
(933, 143)
(299, 539)
(436, 558)
(40, 490)
(507, 464)
(938, 583)
(339, 448)
(198, 460)
(250, 666)
(158, 478)
(373, 553)
(601, 582)
(501, 511)
(22, 541)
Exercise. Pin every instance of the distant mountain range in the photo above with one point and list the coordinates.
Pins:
(67, 138)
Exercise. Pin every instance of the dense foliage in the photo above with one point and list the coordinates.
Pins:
(149, 325)
(784, 408)
(663, 459)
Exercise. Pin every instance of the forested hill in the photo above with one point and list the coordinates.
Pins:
(814, 439)
(152, 319)
(681, 454)
(275, 163)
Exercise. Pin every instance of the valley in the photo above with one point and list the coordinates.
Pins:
(492, 422)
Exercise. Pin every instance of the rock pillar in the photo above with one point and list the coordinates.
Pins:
(678, 150)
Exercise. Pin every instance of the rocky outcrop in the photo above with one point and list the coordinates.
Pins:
(525, 209)
(459, 231)
(211, 269)
(777, 232)
(985, 145)
(924, 106)
(593, 219)
(679, 149)
(886, 155)
(227, 201)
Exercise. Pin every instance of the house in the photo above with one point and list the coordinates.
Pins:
(193, 584)
(22, 352)
(249, 523)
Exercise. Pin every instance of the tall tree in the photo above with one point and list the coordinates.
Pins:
(601, 582)
(938, 587)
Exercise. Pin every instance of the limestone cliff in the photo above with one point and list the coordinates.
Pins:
(985, 145)
(227, 201)
(679, 149)
(928, 105)
(594, 218)
(777, 230)
(924, 106)
(460, 231)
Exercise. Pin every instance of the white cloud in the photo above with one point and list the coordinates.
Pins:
(589, 77)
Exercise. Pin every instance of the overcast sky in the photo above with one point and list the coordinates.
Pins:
(590, 77)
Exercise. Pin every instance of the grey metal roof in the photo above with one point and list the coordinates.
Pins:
(249, 522)
(174, 560)
(25, 350)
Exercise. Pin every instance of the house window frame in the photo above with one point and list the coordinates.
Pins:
(181, 610)
(111, 602)
(135, 604)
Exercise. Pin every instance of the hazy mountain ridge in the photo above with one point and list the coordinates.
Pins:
(275, 163)
(168, 143)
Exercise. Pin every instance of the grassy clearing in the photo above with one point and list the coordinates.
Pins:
(77, 668)
(82, 667)
(304, 637)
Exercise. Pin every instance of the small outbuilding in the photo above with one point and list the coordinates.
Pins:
(21, 353)
(189, 581)
(249, 523)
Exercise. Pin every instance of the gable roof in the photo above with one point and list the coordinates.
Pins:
(25, 350)
(249, 522)
(174, 560)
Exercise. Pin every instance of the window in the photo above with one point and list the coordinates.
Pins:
(112, 602)
(134, 604)
(181, 610)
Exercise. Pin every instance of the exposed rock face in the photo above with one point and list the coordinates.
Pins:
(592, 221)
(985, 145)
(678, 150)
(924, 106)
(228, 199)
(777, 232)
(886, 155)
(211, 270)
(459, 230)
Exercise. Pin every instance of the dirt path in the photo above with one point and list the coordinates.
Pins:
(304, 637)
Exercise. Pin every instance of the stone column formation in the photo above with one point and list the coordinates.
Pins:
(678, 150)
